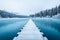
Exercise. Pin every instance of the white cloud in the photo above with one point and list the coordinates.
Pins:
(27, 7)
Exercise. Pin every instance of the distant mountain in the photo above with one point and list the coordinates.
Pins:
(4, 14)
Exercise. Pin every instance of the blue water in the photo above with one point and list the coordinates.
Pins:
(10, 27)
(49, 26)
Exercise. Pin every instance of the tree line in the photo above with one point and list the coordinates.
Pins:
(49, 12)
(5, 14)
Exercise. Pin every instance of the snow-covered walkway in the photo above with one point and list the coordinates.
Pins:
(30, 32)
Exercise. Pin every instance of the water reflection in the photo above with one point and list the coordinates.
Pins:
(50, 27)
(9, 28)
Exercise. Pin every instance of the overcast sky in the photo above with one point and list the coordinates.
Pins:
(27, 7)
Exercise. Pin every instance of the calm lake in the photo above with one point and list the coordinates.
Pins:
(49, 26)
(10, 27)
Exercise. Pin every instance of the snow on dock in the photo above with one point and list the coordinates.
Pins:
(30, 32)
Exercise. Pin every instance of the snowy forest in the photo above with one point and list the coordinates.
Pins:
(5, 14)
(48, 12)
(44, 13)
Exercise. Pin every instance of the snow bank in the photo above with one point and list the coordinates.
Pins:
(56, 16)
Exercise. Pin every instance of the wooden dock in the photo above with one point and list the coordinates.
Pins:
(30, 32)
